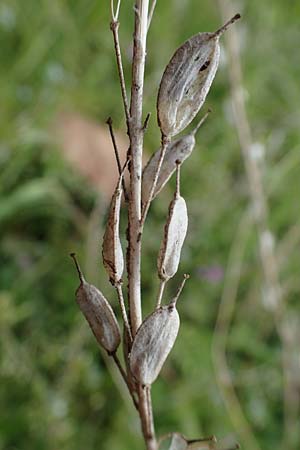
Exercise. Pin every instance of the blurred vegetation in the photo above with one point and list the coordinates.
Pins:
(55, 388)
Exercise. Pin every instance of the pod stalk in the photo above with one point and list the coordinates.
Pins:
(80, 274)
(221, 30)
(201, 122)
(185, 277)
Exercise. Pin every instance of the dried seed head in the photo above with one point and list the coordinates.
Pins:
(174, 235)
(177, 441)
(187, 80)
(112, 253)
(177, 150)
(98, 313)
(153, 342)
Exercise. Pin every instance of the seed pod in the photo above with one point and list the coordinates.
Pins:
(174, 235)
(154, 341)
(187, 80)
(177, 150)
(177, 441)
(111, 248)
(98, 313)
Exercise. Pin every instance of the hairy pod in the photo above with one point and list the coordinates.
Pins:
(180, 150)
(174, 235)
(153, 342)
(187, 79)
(112, 253)
(98, 313)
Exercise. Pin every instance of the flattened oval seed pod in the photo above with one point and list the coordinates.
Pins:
(177, 150)
(187, 80)
(153, 342)
(176, 441)
(112, 253)
(174, 235)
(98, 313)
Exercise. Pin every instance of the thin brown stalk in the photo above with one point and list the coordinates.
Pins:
(150, 410)
(114, 26)
(124, 376)
(117, 154)
(146, 419)
(123, 309)
(164, 144)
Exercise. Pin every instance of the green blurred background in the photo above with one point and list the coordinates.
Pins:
(240, 380)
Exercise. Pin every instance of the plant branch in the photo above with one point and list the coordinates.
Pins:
(114, 26)
(136, 136)
(124, 376)
(151, 12)
(117, 154)
(164, 144)
(123, 310)
(162, 284)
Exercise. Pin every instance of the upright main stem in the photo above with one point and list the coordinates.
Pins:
(136, 136)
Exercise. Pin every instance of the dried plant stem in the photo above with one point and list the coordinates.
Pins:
(151, 12)
(114, 26)
(147, 418)
(161, 289)
(123, 309)
(124, 376)
(117, 154)
(164, 144)
(136, 137)
(150, 410)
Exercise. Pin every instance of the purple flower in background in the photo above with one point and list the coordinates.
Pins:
(213, 274)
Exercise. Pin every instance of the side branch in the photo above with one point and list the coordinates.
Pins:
(164, 144)
(117, 154)
(114, 26)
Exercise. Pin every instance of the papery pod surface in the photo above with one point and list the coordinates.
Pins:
(153, 342)
(98, 313)
(174, 235)
(187, 80)
(180, 149)
(112, 253)
(176, 441)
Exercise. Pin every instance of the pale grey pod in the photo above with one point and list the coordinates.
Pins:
(178, 150)
(187, 80)
(176, 441)
(98, 313)
(153, 342)
(174, 235)
(112, 253)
